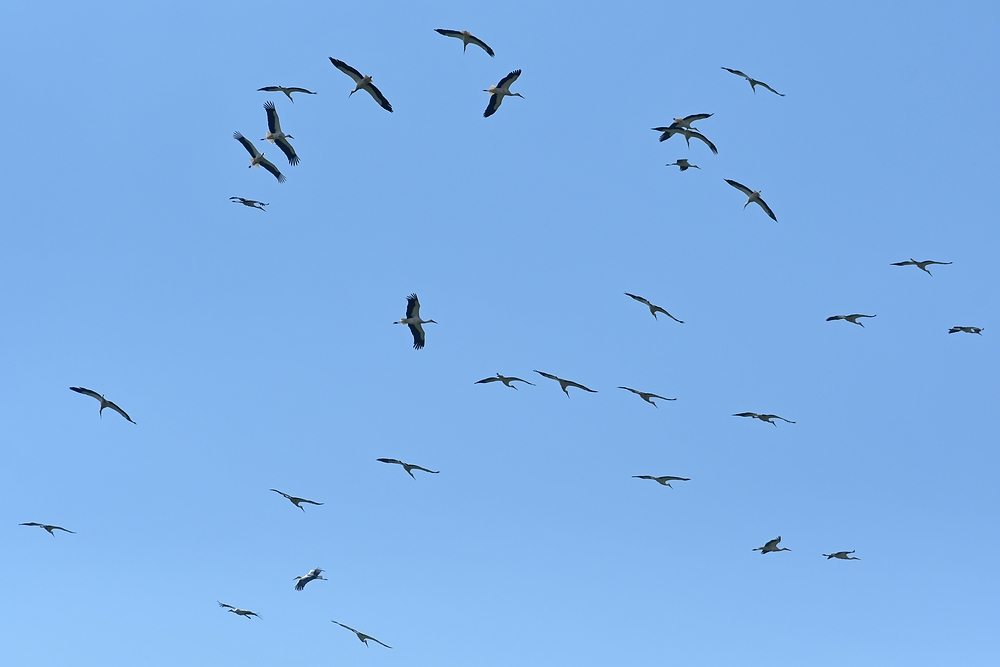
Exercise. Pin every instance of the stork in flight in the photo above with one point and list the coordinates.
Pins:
(842, 555)
(920, 265)
(466, 37)
(105, 403)
(646, 396)
(499, 91)
(362, 636)
(503, 378)
(853, 319)
(771, 545)
(309, 576)
(687, 134)
(48, 528)
(752, 196)
(563, 384)
(663, 479)
(257, 158)
(413, 320)
(764, 418)
(685, 122)
(276, 136)
(753, 82)
(245, 613)
(683, 164)
(654, 309)
(287, 91)
(296, 501)
(408, 467)
(252, 203)
(968, 330)
(363, 83)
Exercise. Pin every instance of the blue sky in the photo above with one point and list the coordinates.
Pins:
(254, 350)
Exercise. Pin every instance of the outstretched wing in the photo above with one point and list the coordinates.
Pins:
(273, 124)
(736, 72)
(227, 606)
(378, 96)
(494, 104)
(767, 209)
(509, 79)
(761, 83)
(87, 392)
(396, 461)
(481, 44)
(739, 186)
(119, 411)
(570, 383)
(487, 380)
(412, 306)
(267, 164)
(549, 376)
(513, 379)
(347, 69)
(638, 298)
(698, 135)
(416, 467)
(246, 144)
(287, 149)
(660, 310)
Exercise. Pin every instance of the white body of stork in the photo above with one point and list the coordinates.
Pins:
(413, 320)
(245, 613)
(771, 545)
(309, 576)
(683, 164)
(287, 91)
(753, 196)
(48, 528)
(842, 555)
(663, 480)
(500, 91)
(276, 136)
(466, 37)
(753, 82)
(257, 158)
(853, 319)
(105, 403)
(363, 82)
(362, 636)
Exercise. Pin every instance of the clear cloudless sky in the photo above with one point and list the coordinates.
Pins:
(254, 349)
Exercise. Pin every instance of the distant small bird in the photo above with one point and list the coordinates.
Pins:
(105, 403)
(683, 164)
(408, 467)
(654, 309)
(362, 636)
(771, 545)
(252, 203)
(257, 158)
(563, 384)
(245, 613)
(646, 396)
(753, 82)
(664, 479)
(764, 418)
(842, 555)
(968, 330)
(48, 527)
(295, 500)
(466, 37)
(363, 83)
(413, 320)
(276, 136)
(499, 91)
(506, 380)
(920, 265)
(853, 319)
(287, 91)
(688, 136)
(752, 196)
(309, 576)
(685, 122)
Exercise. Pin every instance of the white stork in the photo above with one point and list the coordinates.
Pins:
(968, 330)
(771, 545)
(257, 158)
(245, 613)
(753, 82)
(499, 91)
(764, 418)
(105, 403)
(364, 82)
(687, 134)
(842, 555)
(853, 319)
(276, 136)
(648, 397)
(752, 196)
(503, 378)
(309, 576)
(664, 480)
(413, 320)
(287, 91)
(563, 384)
(466, 37)
(920, 265)
(296, 500)
(653, 308)
(683, 164)
(686, 121)
(252, 203)
(408, 467)
(362, 636)
(48, 527)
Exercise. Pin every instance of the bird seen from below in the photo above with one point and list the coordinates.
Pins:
(362, 636)
(853, 319)
(252, 203)
(364, 82)
(48, 527)
(245, 613)
(309, 576)
(563, 384)
(408, 467)
(105, 403)
(287, 91)
(413, 320)
(771, 545)
(502, 378)
(276, 136)
(753, 82)
(842, 555)
(920, 265)
(685, 122)
(752, 196)
(688, 136)
(968, 330)
(764, 418)
(663, 480)
(683, 164)
(257, 158)
(467, 38)
(296, 501)
(653, 308)
(648, 397)
(499, 91)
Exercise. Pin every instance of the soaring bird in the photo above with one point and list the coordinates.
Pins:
(413, 320)
(252, 203)
(105, 403)
(688, 135)
(646, 396)
(920, 265)
(466, 37)
(685, 122)
(968, 330)
(753, 82)
(48, 527)
(752, 196)
(499, 91)
(683, 164)
(287, 91)
(363, 83)
(771, 545)
(764, 418)
(296, 501)
(257, 158)
(853, 319)
(654, 309)
(362, 636)
(276, 136)
(503, 378)
(309, 576)
(565, 383)
(663, 479)
(245, 613)
(842, 555)
(408, 467)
